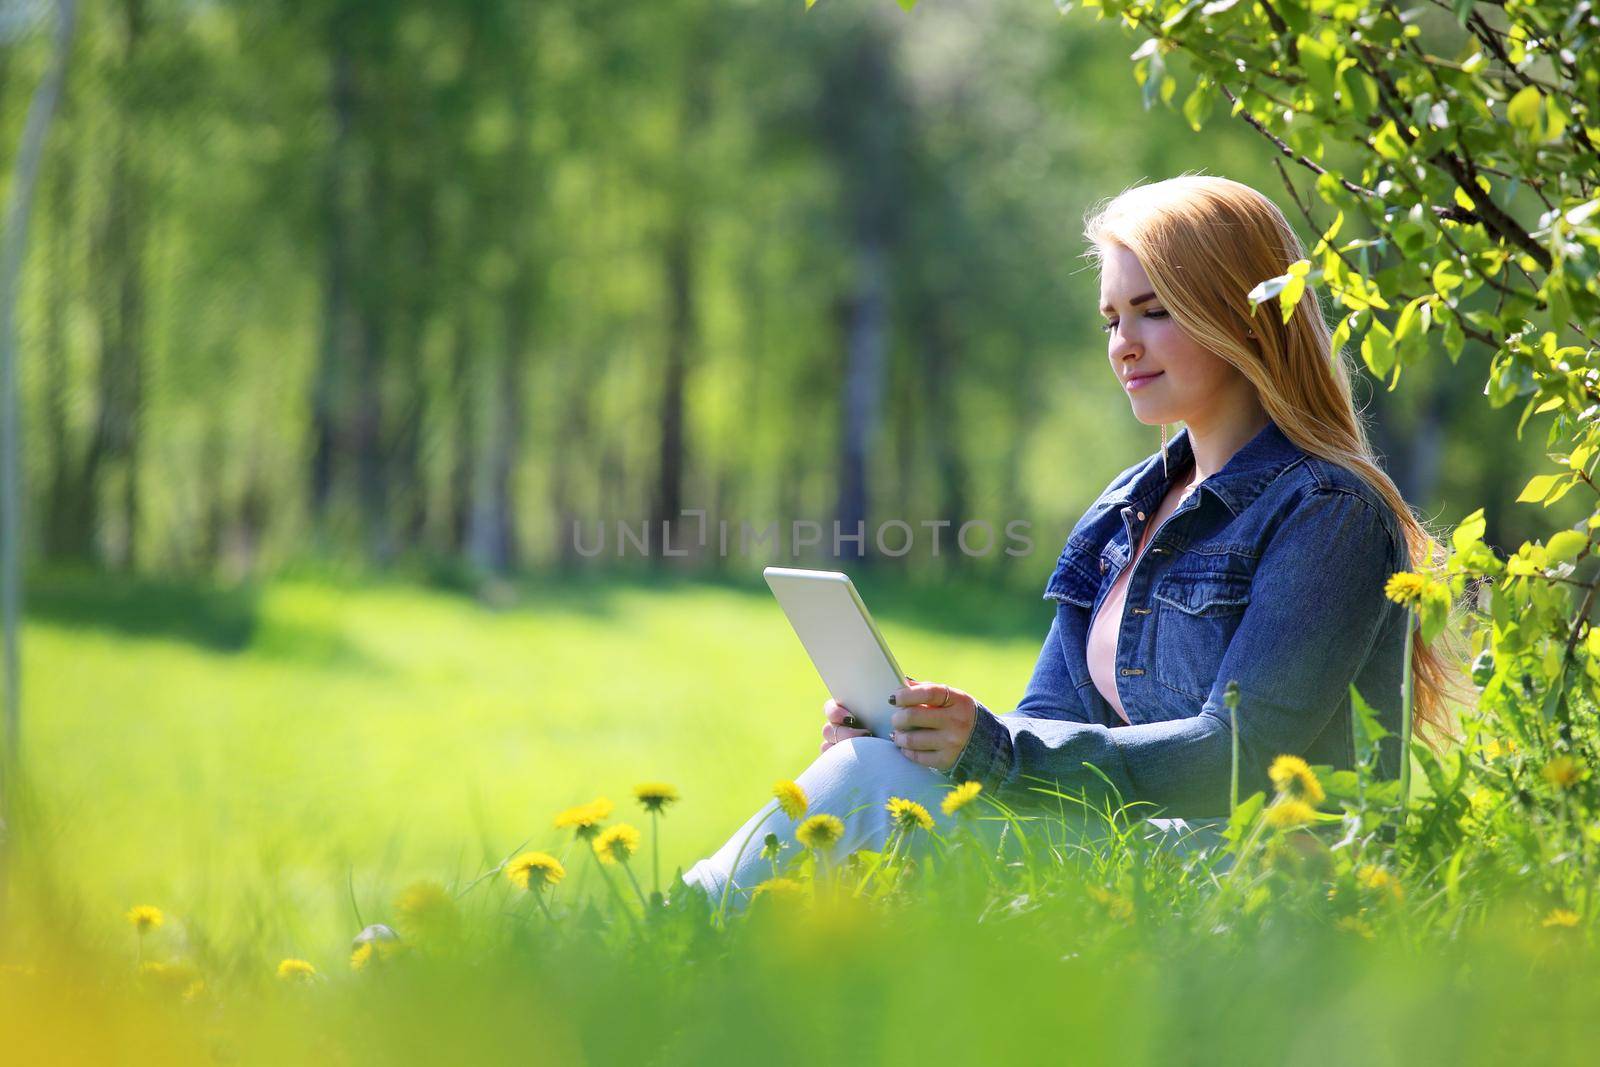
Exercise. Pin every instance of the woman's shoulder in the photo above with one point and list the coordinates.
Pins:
(1320, 486)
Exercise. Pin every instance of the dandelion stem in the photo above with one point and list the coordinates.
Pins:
(722, 906)
(1405, 717)
(538, 897)
(643, 903)
(655, 847)
(622, 901)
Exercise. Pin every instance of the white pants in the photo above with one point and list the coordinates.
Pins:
(854, 781)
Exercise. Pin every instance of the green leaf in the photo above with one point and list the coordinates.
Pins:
(1377, 350)
(1243, 817)
(1434, 611)
(1522, 110)
(1565, 545)
(1470, 529)
(1388, 144)
(1538, 487)
(1197, 107)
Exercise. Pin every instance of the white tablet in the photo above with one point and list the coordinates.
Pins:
(843, 642)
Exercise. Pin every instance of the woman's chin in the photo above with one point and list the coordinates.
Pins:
(1153, 414)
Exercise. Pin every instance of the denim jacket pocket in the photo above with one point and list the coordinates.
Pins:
(1196, 618)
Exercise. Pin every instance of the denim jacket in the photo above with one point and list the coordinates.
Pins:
(1270, 575)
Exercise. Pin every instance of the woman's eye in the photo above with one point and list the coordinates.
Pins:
(1107, 327)
(1156, 312)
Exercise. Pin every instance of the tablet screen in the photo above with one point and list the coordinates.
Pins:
(844, 644)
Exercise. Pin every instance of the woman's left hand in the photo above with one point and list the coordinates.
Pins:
(933, 723)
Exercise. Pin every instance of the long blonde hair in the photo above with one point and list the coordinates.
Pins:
(1206, 242)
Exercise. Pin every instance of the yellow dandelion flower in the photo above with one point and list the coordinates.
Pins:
(1562, 772)
(585, 819)
(1292, 777)
(960, 797)
(791, 798)
(655, 796)
(820, 832)
(1405, 587)
(1496, 747)
(535, 871)
(616, 843)
(145, 917)
(426, 910)
(785, 889)
(1355, 924)
(375, 942)
(292, 970)
(1287, 814)
(909, 815)
(368, 951)
(1379, 880)
(1562, 917)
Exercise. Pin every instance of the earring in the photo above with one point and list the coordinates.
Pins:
(1164, 473)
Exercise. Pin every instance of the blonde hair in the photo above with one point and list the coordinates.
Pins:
(1206, 242)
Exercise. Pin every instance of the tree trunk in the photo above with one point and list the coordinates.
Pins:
(866, 346)
(338, 340)
(668, 498)
(113, 458)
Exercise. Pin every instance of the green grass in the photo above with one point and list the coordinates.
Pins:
(235, 757)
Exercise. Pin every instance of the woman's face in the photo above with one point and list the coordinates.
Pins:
(1167, 375)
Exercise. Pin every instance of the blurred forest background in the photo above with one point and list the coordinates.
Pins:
(420, 285)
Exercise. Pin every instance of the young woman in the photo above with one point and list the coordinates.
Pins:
(1252, 550)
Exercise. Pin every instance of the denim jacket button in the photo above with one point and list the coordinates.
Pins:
(1104, 566)
(1140, 514)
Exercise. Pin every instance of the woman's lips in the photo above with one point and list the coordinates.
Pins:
(1139, 381)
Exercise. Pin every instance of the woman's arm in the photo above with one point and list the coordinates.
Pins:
(1316, 609)
(1050, 693)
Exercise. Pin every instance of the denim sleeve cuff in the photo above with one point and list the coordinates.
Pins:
(987, 756)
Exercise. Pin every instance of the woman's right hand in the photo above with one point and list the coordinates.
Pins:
(841, 725)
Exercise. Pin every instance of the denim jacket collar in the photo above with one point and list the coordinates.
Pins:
(1248, 471)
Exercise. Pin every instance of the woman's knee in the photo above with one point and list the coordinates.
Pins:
(865, 751)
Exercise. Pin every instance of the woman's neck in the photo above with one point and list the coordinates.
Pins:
(1216, 438)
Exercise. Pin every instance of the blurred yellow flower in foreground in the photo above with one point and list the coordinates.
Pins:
(909, 815)
(791, 798)
(585, 819)
(960, 797)
(1288, 813)
(1292, 777)
(1355, 924)
(1562, 772)
(1378, 879)
(145, 917)
(535, 870)
(426, 911)
(616, 843)
(292, 970)
(1563, 917)
(179, 976)
(820, 832)
(655, 796)
(779, 889)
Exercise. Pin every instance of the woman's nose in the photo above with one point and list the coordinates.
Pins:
(1123, 347)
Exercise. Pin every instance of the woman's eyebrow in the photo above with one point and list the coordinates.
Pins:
(1106, 309)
